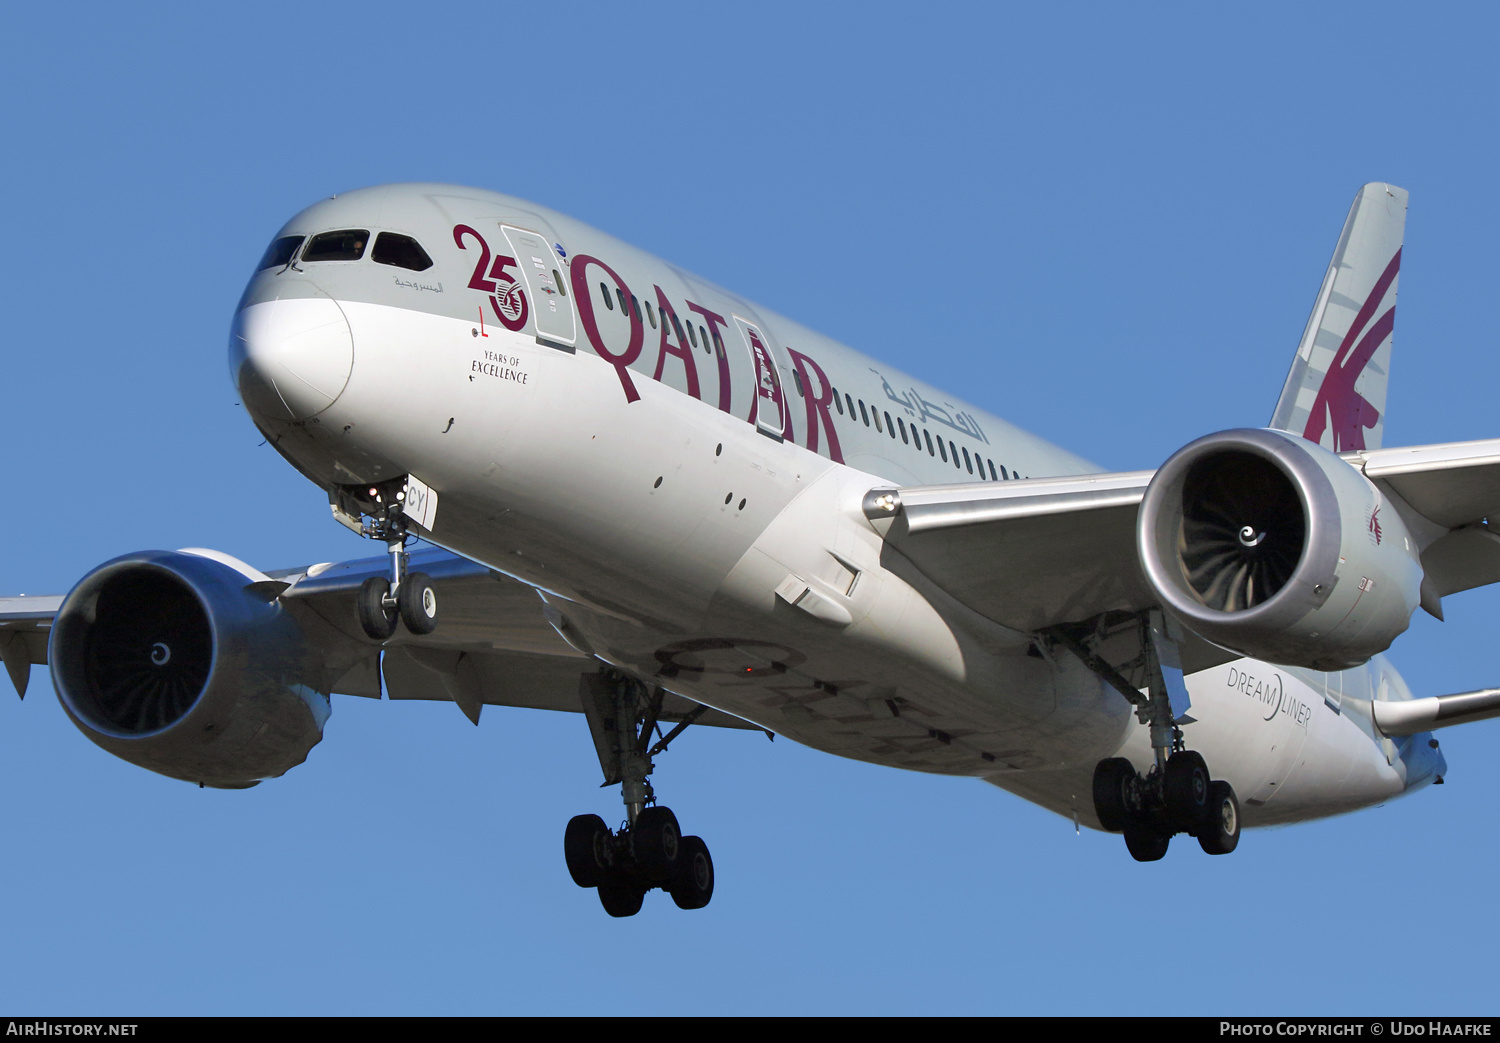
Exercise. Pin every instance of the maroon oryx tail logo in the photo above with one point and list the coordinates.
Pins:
(1337, 402)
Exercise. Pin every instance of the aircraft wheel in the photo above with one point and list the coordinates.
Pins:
(1112, 779)
(693, 885)
(586, 848)
(378, 621)
(418, 604)
(656, 842)
(1221, 831)
(619, 896)
(1145, 843)
(1185, 790)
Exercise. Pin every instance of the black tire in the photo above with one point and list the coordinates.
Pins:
(586, 848)
(1185, 790)
(694, 884)
(1220, 833)
(656, 842)
(378, 621)
(619, 897)
(1112, 780)
(1145, 843)
(417, 603)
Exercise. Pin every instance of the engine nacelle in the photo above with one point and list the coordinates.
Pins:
(174, 662)
(1271, 546)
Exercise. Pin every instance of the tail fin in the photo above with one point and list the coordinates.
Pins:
(1335, 393)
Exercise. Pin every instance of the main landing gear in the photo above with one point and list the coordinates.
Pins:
(1180, 799)
(379, 513)
(648, 850)
(1177, 795)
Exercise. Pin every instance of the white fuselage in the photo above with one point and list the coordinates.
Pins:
(691, 505)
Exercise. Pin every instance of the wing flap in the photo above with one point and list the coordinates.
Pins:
(25, 626)
(511, 678)
(1462, 560)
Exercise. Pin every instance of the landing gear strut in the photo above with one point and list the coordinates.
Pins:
(648, 850)
(379, 513)
(1178, 794)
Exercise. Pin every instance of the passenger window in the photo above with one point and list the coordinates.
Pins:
(928, 435)
(624, 310)
(608, 303)
(692, 338)
(718, 343)
(797, 379)
(889, 427)
(562, 287)
(676, 326)
(992, 472)
(902, 424)
(279, 253)
(943, 449)
(651, 315)
(400, 250)
(967, 461)
(864, 413)
(346, 245)
(954, 450)
(838, 403)
(635, 306)
(848, 401)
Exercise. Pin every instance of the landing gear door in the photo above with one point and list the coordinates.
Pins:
(551, 310)
(769, 408)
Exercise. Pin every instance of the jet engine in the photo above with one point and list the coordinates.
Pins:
(185, 663)
(1274, 547)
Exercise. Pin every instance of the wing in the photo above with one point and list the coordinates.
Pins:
(1456, 487)
(1028, 554)
(1035, 554)
(1041, 553)
(25, 625)
(494, 647)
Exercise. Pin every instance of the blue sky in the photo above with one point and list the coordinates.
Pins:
(1106, 224)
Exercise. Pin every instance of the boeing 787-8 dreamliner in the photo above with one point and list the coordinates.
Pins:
(604, 485)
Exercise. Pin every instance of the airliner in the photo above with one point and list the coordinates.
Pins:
(603, 485)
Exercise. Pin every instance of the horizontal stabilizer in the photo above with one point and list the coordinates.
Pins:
(1439, 711)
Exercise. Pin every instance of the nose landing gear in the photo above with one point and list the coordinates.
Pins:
(378, 512)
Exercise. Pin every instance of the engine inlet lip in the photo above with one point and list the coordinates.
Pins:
(70, 630)
(1161, 517)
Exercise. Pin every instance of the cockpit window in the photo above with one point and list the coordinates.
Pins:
(347, 245)
(280, 252)
(400, 250)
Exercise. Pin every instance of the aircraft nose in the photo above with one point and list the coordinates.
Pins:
(291, 358)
